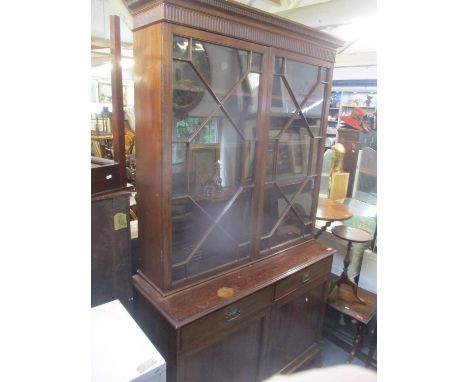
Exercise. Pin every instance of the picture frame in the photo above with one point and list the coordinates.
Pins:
(204, 158)
(105, 93)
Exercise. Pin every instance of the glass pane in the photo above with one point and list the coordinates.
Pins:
(315, 154)
(217, 169)
(222, 66)
(189, 91)
(218, 249)
(257, 62)
(294, 148)
(185, 128)
(180, 47)
(248, 158)
(237, 220)
(302, 204)
(323, 74)
(326, 165)
(312, 109)
(244, 60)
(281, 101)
(290, 226)
(225, 243)
(269, 159)
(271, 208)
(367, 176)
(189, 224)
(301, 77)
(279, 65)
(243, 104)
(179, 183)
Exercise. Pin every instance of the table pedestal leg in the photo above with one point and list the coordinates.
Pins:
(373, 343)
(344, 278)
(357, 342)
(322, 229)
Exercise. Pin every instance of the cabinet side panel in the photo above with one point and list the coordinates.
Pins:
(110, 252)
(149, 150)
(161, 334)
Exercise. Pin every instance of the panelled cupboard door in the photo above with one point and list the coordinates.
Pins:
(295, 326)
(235, 356)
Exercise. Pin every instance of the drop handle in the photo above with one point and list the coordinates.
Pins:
(306, 277)
(232, 315)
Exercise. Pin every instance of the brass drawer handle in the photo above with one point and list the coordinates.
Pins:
(306, 277)
(232, 315)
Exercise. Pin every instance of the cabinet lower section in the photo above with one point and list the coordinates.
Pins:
(267, 327)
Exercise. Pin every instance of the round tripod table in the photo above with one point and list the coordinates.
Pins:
(351, 235)
(329, 210)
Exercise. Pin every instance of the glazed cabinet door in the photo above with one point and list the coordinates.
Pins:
(216, 87)
(296, 129)
(296, 327)
(234, 355)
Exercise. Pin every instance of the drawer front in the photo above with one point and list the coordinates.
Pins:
(304, 277)
(225, 318)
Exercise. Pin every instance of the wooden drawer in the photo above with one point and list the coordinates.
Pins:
(304, 277)
(225, 318)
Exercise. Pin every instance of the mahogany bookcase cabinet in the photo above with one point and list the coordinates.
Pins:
(231, 108)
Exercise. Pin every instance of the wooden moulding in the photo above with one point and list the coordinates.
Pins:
(236, 20)
(187, 305)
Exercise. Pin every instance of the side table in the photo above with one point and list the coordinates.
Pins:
(351, 235)
(329, 210)
(342, 299)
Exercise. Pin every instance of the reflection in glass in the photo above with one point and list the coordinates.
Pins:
(316, 142)
(178, 168)
(313, 108)
(214, 136)
(257, 62)
(227, 65)
(281, 101)
(323, 74)
(229, 159)
(294, 148)
(302, 204)
(188, 89)
(185, 128)
(242, 105)
(199, 245)
(188, 225)
(301, 77)
(279, 65)
(180, 47)
(326, 166)
(286, 217)
(269, 159)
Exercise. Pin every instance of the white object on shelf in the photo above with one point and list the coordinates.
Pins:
(120, 350)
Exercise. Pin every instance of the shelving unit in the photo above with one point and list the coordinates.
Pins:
(342, 102)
